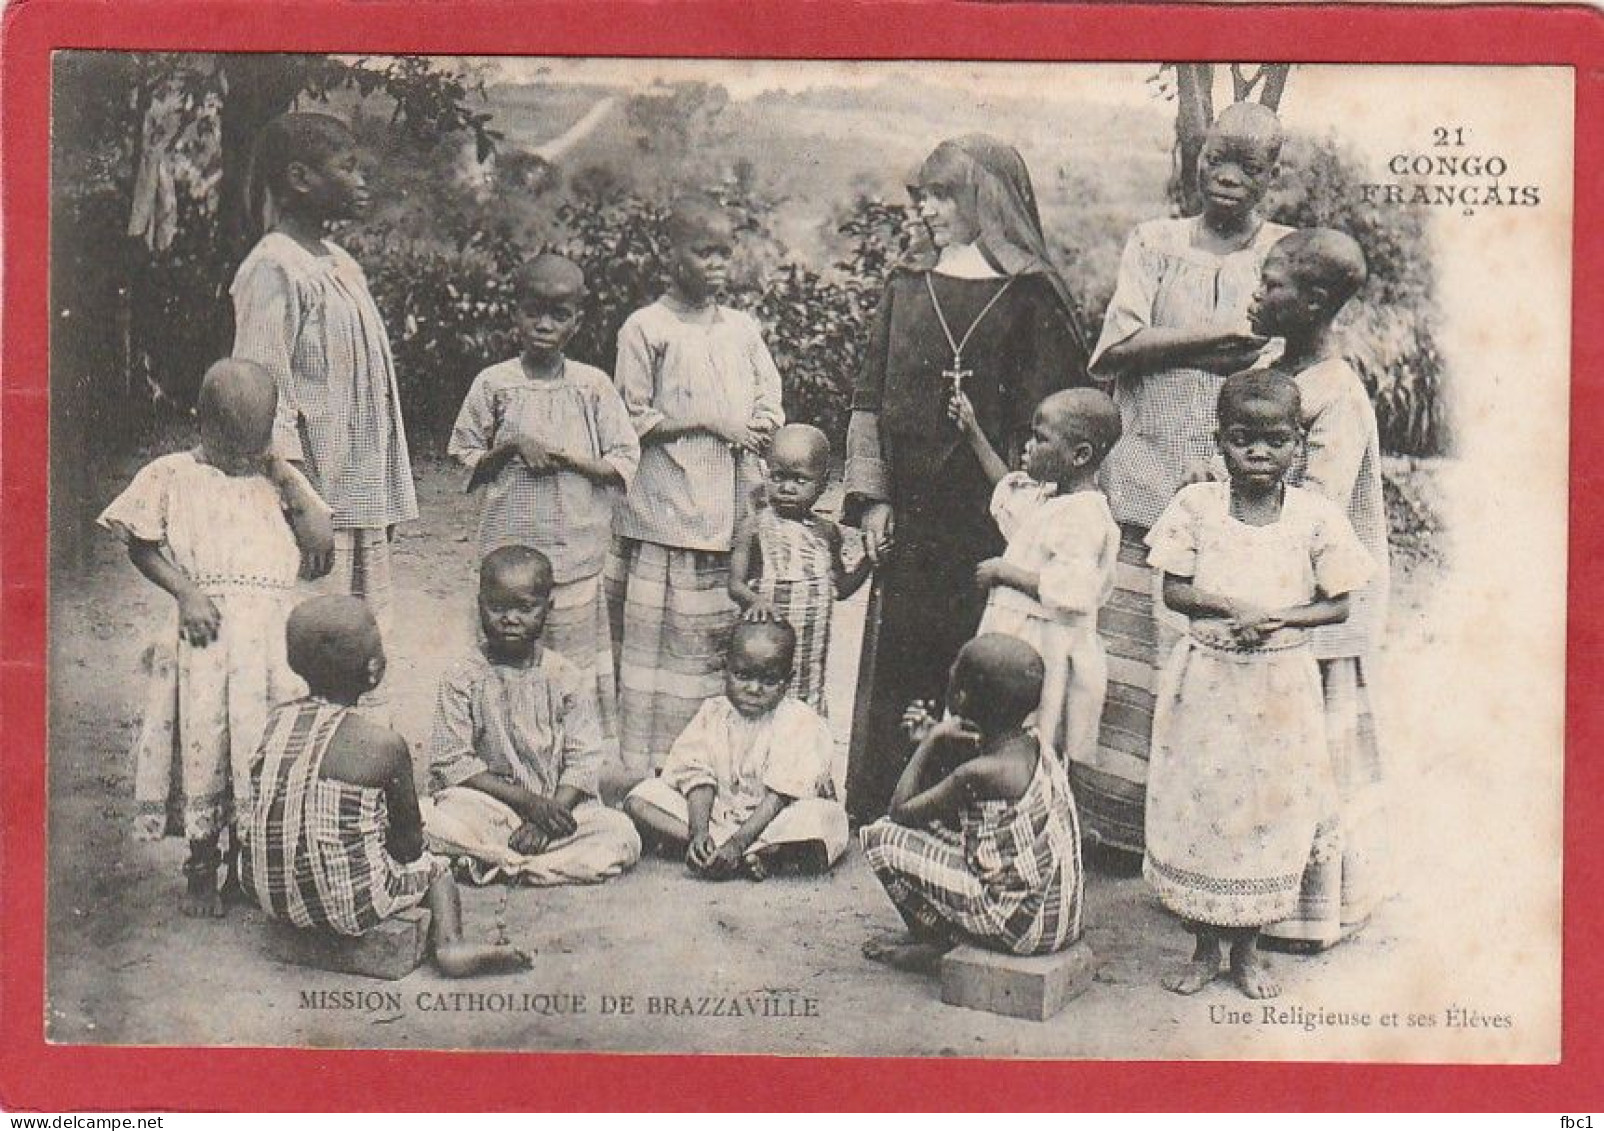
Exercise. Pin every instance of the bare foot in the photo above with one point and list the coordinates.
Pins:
(465, 959)
(756, 869)
(1193, 976)
(201, 899)
(232, 892)
(904, 952)
(1254, 976)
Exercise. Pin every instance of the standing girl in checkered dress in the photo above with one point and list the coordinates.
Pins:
(1176, 325)
(787, 561)
(303, 310)
(548, 439)
(704, 396)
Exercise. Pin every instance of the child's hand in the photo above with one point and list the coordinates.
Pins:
(700, 851)
(527, 840)
(737, 435)
(548, 817)
(534, 455)
(953, 728)
(989, 573)
(198, 619)
(1198, 471)
(1253, 630)
(1229, 352)
(761, 611)
(962, 413)
(725, 861)
(918, 719)
(763, 428)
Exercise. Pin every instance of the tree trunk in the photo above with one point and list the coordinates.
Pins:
(1193, 112)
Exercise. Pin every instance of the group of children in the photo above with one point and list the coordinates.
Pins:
(654, 595)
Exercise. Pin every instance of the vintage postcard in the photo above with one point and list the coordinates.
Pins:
(978, 558)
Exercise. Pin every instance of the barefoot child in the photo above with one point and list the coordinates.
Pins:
(1058, 569)
(787, 562)
(1308, 277)
(209, 526)
(1240, 773)
(334, 839)
(302, 309)
(982, 844)
(704, 396)
(551, 444)
(515, 752)
(747, 786)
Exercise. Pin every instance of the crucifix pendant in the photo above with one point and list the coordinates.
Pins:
(955, 375)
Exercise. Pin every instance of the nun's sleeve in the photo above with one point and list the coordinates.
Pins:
(867, 477)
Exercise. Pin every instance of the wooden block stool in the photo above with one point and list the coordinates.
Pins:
(391, 950)
(1033, 988)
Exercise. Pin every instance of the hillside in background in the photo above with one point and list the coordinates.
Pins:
(1096, 168)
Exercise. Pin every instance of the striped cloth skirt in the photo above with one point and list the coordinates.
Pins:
(577, 629)
(1346, 876)
(806, 606)
(1110, 781)
(671, 615)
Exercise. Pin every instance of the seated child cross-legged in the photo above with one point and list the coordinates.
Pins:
(515, 750)
(1058, 569)
(334, 841)
(982, 843)
(787, 561)
(747, 785)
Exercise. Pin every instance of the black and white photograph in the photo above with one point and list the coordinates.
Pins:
(895, 558)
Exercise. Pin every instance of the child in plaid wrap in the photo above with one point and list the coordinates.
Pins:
(982, 844)
(334, 842)
(788, 562)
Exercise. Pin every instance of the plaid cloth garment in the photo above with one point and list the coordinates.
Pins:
(312, 323)
(798, 580)
(1010, 879)
(315, 849)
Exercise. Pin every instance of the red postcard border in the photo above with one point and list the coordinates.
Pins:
(38, 1076)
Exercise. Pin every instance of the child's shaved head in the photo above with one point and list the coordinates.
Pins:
(236, 404)
(998, 679)
(696, 219)
(1086, 414)
(515, 567)
(801, 445)
(1324, 263)
(1248, 125)
(551, 277)
(332, 642)
(762, 644)
(1258, 387)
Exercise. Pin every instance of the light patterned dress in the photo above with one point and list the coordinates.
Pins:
(206, 706)
(565, 515)
(1168, 424)
(1071, 543)
(668, 575)
(798, 579)
(1009, 878)
(316, 851)
(1241, 775)
(787, 750)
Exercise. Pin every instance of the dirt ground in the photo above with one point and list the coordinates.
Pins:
(777, 963)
